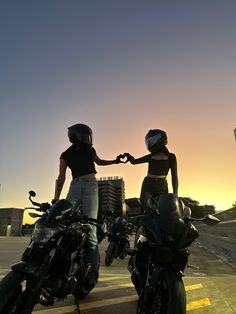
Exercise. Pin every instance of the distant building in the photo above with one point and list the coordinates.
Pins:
(111, 194)
(11, 221)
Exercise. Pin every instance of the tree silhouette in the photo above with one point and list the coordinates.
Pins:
(197, 211)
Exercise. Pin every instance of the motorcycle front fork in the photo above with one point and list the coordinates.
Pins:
(31, 295)
(33, 290)
(151, 278)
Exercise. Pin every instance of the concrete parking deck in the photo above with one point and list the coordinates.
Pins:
(210, 284)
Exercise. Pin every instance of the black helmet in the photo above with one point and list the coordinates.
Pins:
(155, 139)
(80, 134)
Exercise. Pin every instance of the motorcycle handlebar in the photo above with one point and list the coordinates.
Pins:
(42, 207)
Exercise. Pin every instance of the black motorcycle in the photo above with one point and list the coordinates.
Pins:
(118, 238)
(54, 264)
(161, 253)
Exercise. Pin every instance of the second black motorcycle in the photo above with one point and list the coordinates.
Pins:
(118, 239)
(55, 263)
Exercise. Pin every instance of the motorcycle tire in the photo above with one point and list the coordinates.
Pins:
(82, 292)
(88, 284)
(110, 253)
(171, 295)
(124, 247)
(11, 293)
(141, 309)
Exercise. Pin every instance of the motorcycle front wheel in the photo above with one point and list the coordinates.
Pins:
(171, 295)
(143, 307)
(11, 292)
(110, 253)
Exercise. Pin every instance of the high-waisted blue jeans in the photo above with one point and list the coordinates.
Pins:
(83, 193)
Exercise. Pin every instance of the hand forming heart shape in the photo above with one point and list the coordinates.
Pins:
(124, 158)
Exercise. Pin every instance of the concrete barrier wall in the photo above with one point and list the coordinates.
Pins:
(220, 239)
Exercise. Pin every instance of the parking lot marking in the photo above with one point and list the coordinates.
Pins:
(114, 275)
(90, 305)
(126, 285)
(194, 305)
(113, 287)
(113, 284)
(69, 309)
(130, 285)
(110, 301)
(193, 287)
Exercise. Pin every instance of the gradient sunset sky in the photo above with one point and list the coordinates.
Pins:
(122, 67)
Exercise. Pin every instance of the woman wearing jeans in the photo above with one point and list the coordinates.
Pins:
(81, 157)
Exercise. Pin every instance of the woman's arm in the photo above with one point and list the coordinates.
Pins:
(102, 162)
(60, 179)
(135, 161)
(174, 173)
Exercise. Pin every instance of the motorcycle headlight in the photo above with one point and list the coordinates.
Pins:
(142, 238)
(42, 234)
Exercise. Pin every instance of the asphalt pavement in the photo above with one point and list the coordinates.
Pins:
(210, 284)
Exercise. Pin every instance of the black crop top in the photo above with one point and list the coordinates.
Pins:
(161, 167)
(80, 161)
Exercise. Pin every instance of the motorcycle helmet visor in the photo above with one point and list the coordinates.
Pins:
(85, 138)
(152, 140)
(80, 134)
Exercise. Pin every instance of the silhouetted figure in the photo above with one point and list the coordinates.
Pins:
(160, 161)
(81, 157)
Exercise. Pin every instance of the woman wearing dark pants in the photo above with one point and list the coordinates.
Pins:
(160, 161)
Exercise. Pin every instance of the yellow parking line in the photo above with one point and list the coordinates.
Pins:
(112, 287)
(126, 285)
(89, 305)
(193, 305)
(110, 301)
(85, 305)
(187, 288)
(193, 287)
(130, 285)
(69, 309)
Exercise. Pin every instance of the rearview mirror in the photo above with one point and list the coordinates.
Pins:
(32, 193)
(211, 220)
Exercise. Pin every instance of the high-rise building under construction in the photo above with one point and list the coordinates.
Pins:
(111, 194)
